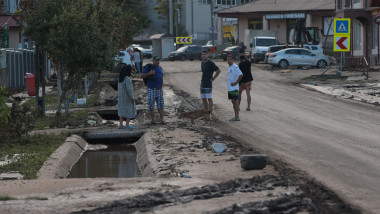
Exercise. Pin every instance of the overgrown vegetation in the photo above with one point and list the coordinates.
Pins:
(27, 154)
(15, 121)
(81, 37)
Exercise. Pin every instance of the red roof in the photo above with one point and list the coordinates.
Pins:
(8, 19)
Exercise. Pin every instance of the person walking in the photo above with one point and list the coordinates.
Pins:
(208, 68)
(233, 79)
(242, 48)
(246, 82)
(137, 60)
(155, 93)
(126, 101)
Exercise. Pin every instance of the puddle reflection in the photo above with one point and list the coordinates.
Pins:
(117, 161)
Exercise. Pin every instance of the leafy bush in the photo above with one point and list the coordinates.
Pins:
(5, 113)
(22, 120)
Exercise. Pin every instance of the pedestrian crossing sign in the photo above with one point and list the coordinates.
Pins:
(342, 26)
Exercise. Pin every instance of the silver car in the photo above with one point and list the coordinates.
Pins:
(298, 57)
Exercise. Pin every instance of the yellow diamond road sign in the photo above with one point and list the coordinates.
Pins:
(184, 40)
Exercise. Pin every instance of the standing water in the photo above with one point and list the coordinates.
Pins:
(117, 161)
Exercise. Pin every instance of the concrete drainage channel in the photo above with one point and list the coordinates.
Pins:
(103, 153)
(216, 184)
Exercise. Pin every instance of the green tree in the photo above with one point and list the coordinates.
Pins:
(80, 36)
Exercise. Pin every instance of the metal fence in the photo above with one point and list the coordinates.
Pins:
(15, 63)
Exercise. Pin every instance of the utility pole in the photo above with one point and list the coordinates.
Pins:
(171, 17)
(176, 23)
(212, 21)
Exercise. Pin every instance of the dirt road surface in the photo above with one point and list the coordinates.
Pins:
(335, 141)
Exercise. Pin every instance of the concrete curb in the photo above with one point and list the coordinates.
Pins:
(59, 164)
(145, 161)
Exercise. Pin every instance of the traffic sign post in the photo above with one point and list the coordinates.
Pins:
(342, 26)
(342, 33)
(341, 43)
(184, 40)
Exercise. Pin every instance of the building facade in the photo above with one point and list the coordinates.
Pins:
(280, 16)
(364, 28)
(11, 26)
(194, 17)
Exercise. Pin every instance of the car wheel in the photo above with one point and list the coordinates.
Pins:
(236, 57)
(254, 60)
(191, 59)
(321, 64)
(283, 64)
(172, 59)
(183, 58)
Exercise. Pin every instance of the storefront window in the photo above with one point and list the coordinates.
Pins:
(255, 24)
(230, 31)
(358, 28)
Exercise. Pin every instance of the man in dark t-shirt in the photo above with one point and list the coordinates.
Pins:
(208, 68)
(242, 48)
(246, 82)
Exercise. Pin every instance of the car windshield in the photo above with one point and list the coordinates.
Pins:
(182, 48)
(275, 49)
(209, 43)
(230, 48)
(266, 42)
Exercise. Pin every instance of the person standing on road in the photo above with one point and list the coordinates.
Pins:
(246, 82)
(208, 68)
(137, 59)
(242, 48)
(126, 101)
(233, 79)
(155, 93)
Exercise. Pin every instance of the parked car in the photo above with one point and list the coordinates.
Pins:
(146, 51)
(208, 46)
(317, 49)
(233, 50)
(298, 57)
(275, 48)
(123, 57)
(190, 52)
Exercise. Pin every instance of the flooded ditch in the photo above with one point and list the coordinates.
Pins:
(115, 161)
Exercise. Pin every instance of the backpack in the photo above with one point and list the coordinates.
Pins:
(149, 67)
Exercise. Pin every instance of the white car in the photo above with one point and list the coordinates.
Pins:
(146, 51)
(298, 57)
(123, 57)
(317, 49)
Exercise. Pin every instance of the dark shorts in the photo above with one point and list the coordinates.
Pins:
(233, 95)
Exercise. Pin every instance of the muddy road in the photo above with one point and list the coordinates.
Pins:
(335, 141)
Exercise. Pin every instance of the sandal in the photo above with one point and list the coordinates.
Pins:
(235, 119)
(163, 123)
(248, 109)
(153, 123)
(129, 127)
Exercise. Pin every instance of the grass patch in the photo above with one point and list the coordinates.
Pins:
(31, 153)
(76, 118)
(51, 101)
(6, 198)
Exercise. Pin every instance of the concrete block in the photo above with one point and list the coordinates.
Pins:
(255, 161)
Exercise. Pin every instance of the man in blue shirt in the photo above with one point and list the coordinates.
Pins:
(155, 93)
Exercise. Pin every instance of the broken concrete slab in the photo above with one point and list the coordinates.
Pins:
(254, 161)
